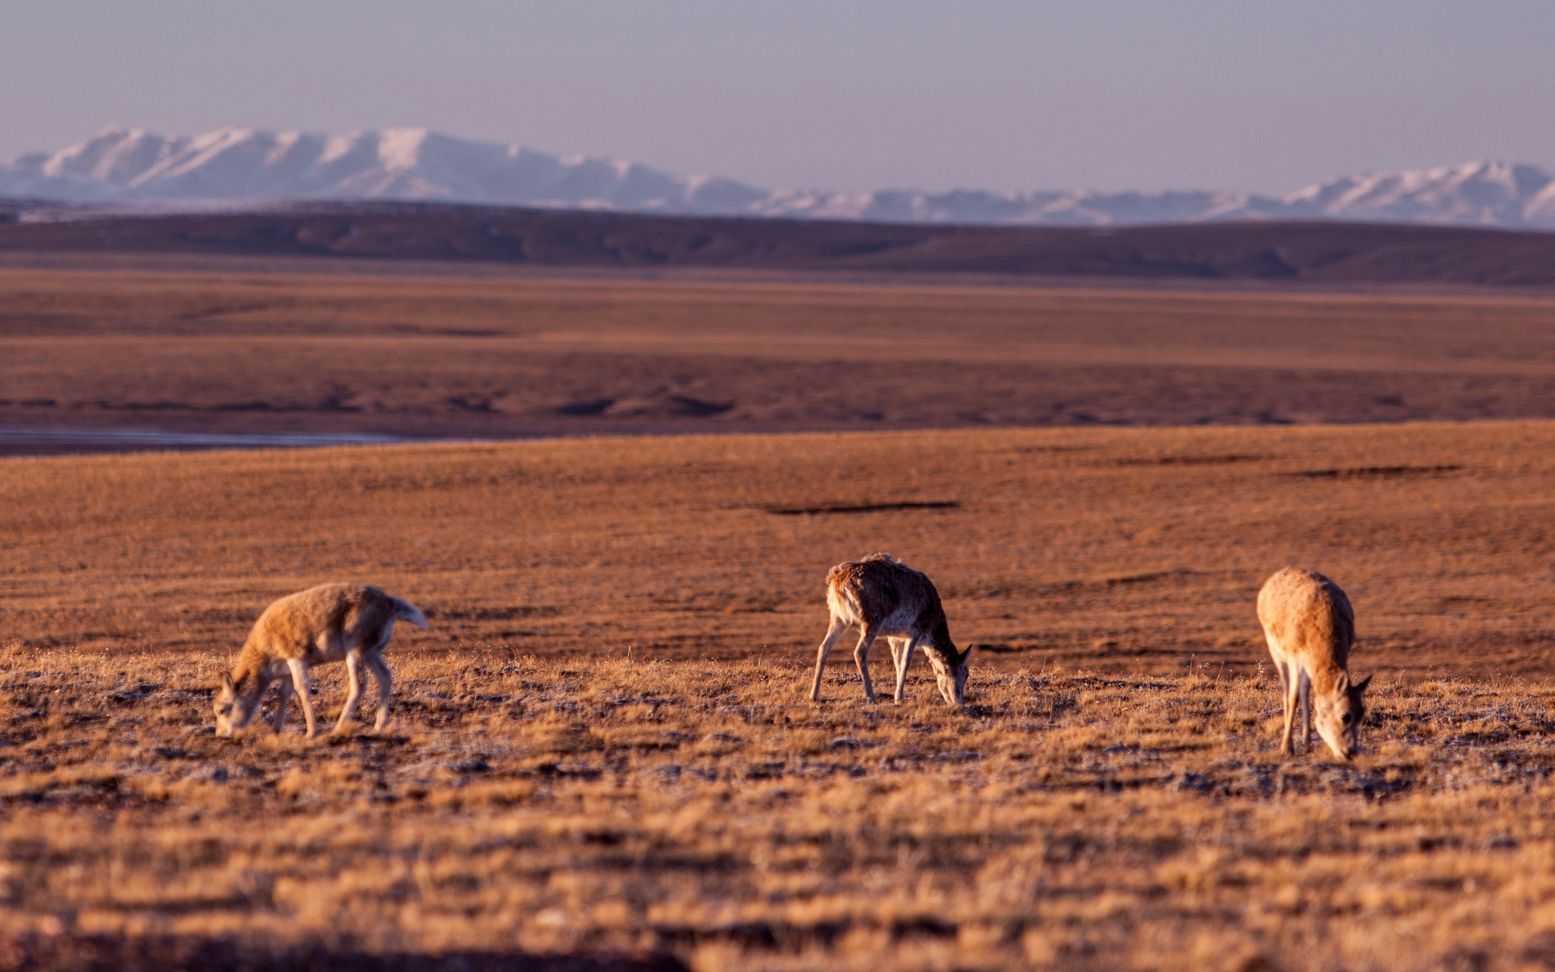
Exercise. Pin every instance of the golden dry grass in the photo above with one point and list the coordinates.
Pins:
(604, 753)
(1133, 550)
(706, 814)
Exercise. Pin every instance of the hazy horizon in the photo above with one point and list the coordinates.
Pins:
(1257, 96)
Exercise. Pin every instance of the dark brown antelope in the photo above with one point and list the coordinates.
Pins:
(881, 596)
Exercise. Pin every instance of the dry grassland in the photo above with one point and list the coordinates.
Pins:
(704, 814)
(499, 357)
(604, 756)
(1129, 550)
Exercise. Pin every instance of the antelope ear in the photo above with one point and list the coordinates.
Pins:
(1361, 685)
(226, 681)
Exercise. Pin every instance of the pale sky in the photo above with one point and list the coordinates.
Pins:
(990, 94)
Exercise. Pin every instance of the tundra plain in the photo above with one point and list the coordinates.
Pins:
(472, 353)
(603, 754)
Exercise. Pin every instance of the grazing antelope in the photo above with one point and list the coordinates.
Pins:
(322, 624)
(1310, 628)
(880, 595)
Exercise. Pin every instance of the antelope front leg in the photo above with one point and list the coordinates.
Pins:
(1292, 692)
(861, 655)
(353, 691)
(902, 661)
(1306, 712)
(832, 634)
(278, 721)
(300, 686)
(898, 645)
(385, 686)
(1279, 669)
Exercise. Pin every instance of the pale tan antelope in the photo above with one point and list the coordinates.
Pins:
(1310, 628)
(328, 623)
(881, 596)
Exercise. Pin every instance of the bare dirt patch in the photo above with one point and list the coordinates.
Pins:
(1378, 472)
(847, 508)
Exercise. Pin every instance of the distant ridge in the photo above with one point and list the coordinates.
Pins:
(1280, 253)
(240, 166)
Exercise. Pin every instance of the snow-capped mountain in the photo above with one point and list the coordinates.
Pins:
(245, 166)
(235, 167)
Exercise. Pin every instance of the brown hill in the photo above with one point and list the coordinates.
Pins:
(1333, 254)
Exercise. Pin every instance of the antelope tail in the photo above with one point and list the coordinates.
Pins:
(406, 611)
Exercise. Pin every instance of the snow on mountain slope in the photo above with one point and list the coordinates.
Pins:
(1484, 193)
(244, 166)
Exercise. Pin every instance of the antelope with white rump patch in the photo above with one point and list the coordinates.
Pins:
(328, 623)
(1310, 627)
(880, 595)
